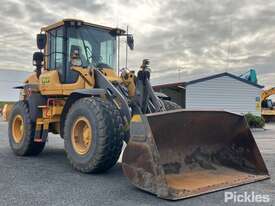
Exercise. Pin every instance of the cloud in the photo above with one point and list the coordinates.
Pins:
(199, 37)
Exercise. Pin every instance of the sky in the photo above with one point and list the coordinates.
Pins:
(183, 39)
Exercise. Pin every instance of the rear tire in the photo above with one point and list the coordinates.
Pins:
(169, 105)
(106, 130)
(22, 131)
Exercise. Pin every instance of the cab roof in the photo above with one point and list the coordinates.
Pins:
(62, 22)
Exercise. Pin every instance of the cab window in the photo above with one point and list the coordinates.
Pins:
(55, 50)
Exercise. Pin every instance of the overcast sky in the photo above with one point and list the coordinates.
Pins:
(200, 37)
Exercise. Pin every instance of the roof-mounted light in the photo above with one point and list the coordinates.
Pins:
(117, 32)
(79, 23)
(74, 23)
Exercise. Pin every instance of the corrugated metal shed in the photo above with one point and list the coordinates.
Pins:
(222, 91)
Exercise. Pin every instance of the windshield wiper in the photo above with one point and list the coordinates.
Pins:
(97, 61)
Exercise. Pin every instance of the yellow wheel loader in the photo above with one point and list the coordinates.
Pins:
(76, 93)
(268, 108)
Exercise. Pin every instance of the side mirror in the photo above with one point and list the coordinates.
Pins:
(41, 40)
(130, 41)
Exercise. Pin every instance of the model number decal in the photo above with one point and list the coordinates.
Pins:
(45, 80)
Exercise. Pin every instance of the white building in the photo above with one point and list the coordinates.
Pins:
(223, 91)
(8, 80)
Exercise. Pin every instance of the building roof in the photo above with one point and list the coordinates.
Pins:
(222, 75)
(176, 84)
(184, 84)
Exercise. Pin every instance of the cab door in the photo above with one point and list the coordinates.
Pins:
(55, 52)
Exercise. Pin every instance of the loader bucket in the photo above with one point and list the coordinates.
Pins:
(183, 153)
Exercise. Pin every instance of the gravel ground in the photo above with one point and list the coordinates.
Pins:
(49, 179)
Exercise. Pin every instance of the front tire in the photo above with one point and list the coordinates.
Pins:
(22, 131)
(93, 135)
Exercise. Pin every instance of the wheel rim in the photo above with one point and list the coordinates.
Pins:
(18, 128)
(81, 136)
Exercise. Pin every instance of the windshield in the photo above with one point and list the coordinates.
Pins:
(95, 46)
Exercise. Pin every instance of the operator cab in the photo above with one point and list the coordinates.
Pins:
(76, 43)
(268, 104)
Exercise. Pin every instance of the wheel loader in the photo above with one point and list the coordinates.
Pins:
(76, 92)
(268, 109)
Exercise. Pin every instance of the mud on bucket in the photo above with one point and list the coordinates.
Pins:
(185, 153)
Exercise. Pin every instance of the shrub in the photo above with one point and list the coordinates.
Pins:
(254, 121)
